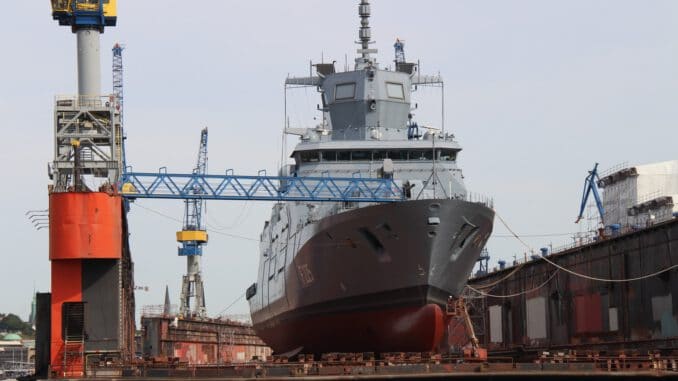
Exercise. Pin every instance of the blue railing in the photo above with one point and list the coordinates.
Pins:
(164, 185)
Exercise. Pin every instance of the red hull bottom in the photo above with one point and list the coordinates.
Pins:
(404, 329)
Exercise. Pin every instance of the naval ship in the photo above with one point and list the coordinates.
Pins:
(368, 277)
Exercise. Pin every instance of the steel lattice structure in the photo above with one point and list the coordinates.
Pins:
(164, 185)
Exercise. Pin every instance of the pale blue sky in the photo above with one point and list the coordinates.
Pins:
(536, 91)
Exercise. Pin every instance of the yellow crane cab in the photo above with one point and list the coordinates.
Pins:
(80, 12)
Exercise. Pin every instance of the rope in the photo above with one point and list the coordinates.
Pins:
(584, 276)
(611, 280)
(541, 235)
(487, 286)
(483, 293)
(510, 274)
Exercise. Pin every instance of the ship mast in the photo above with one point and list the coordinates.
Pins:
(365, 36)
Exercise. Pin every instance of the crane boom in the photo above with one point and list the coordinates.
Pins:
(591, 186)
(194, 206)
(118, 90)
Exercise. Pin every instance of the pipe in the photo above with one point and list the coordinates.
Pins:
(89, 65)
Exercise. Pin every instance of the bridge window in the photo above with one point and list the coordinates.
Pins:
(344, 155)
(344, 91)
(426, 154)
(395, 90)
(447, 155)
(328, 155)
(397, 155)
(309, 156)
(379, 155)
(361, 155)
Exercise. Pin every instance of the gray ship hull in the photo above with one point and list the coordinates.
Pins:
(376, 278)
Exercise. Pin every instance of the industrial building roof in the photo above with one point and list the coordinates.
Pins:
(11, 337)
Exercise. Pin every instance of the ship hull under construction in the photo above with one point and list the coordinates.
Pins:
(375, 279)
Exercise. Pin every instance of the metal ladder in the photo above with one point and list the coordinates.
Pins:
(74, 339)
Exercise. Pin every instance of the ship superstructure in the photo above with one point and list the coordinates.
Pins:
(366, 276)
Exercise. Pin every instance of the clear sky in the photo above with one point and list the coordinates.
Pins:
(536, 93)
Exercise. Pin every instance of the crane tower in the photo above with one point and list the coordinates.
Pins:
(118, 78)
(91, 303)
(87, 125)
(119, 99)
(192, 237)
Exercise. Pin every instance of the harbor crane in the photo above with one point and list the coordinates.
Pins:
(591, 186)
(91, 304)
(192, 237)
(118, 91)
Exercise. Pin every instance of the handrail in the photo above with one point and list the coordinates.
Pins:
(264, 188)
(90, 101)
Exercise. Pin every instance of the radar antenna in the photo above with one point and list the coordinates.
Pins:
(365, 33)
(399, 51)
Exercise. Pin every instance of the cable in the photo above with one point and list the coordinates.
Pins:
(584, 275)
(483, 293)
(611, 280)
(231, 305)
(236, 221)
(233, 235)
(159, 213)
(535, 235)
(210, 230)
(510, 274)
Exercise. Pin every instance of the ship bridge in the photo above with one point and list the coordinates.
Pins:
(361, 104)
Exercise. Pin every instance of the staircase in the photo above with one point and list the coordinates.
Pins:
(74, 340)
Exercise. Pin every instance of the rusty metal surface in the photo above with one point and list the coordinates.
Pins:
(422, 366)
(201, 342)
(91, 285)
(85, 225)
(586, 314)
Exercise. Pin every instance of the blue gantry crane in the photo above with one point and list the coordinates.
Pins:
(192, 237)
(163, 185)
(197, 187)
(591, 186)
